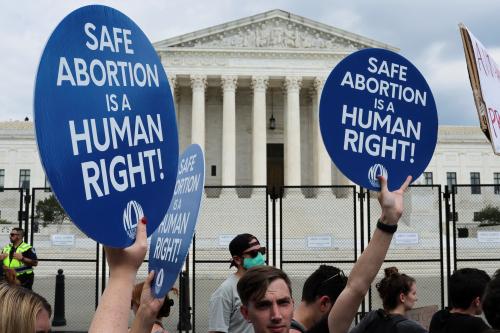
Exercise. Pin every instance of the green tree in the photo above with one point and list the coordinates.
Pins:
(50, 211)
(489, 215)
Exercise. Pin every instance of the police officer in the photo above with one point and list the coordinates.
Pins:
(20, 257)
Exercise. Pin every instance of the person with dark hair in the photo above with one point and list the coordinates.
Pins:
(21, 257)
(399, 294)
(319, 293)
(224, 307)
(266, 295)
(162, 313)
(466, 288)
(491, 302)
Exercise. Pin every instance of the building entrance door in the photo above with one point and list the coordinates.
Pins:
(275, 169)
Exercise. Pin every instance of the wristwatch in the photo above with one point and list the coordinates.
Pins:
(389, 228)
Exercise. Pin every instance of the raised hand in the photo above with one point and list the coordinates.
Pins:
(391, 202)
(128, 260)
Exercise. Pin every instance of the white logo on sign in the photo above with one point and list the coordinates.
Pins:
(159, 281)
(131, 215)
(375, 171)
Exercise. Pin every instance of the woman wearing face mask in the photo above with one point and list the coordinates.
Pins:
(399, 294)
(23, 311)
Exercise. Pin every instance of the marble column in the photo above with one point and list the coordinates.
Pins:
(229, 83)
(259, 131)
(198, 84)
(172, 81)
(322, 163)
(292, 85)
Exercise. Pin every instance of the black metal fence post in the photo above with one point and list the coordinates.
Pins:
(361, 197)
(184, 303)
(59, 311)
(27, 200)
(20, 212)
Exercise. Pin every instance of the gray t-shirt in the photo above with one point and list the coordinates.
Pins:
(224, 313)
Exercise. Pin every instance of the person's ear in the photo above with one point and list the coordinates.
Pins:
(244, 312)
(238, 261)
(476, 302)
(325, 303)
(402, 297)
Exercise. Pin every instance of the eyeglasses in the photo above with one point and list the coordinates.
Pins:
(12, 235)
(254, 253)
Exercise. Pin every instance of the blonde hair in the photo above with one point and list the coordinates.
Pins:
(19, 308)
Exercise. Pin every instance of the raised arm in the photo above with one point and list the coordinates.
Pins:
(114, 308)
(368, 264)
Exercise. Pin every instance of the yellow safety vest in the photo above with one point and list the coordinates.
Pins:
(15, 264)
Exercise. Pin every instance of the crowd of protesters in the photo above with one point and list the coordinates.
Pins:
(258, 298)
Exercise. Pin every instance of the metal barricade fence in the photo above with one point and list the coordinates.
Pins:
(302, 228)
(226, 211)
(318, 225)
(11, 209)
(417, 246)
(474, 227)
(61, 245)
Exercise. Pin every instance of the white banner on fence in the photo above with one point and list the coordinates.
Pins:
(224, 240)
(319, 241)
(67, 240)
(488, 236)
(407, 238)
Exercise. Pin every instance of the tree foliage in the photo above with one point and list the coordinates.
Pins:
(489, 215)
(50, 211)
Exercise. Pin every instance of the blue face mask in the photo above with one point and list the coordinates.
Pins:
(259, 260)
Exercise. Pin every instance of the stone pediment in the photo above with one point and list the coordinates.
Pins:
(275, 30)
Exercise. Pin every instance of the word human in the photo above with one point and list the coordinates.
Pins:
(81, 72)
(167, 248)
(377, 145)
(384, 88)
(117, 132)
(117, 172)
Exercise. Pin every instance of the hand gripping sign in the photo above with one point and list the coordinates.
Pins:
(170, 242)
(378, 117)
(105, 124)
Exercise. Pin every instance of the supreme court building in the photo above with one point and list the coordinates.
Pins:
(247, 91)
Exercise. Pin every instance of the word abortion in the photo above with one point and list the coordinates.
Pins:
(82, 72)
(384, 88)
(108, 72)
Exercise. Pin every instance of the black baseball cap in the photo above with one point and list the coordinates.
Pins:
(240, 244)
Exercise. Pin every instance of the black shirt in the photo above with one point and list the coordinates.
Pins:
(445, 322)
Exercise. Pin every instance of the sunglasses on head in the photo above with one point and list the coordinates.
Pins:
(254, 253)
(325, 281)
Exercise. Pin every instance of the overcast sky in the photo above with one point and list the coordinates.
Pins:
(425, 31)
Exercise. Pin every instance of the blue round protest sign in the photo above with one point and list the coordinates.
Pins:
(378, 117)
(170, 242)
(105, 124)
